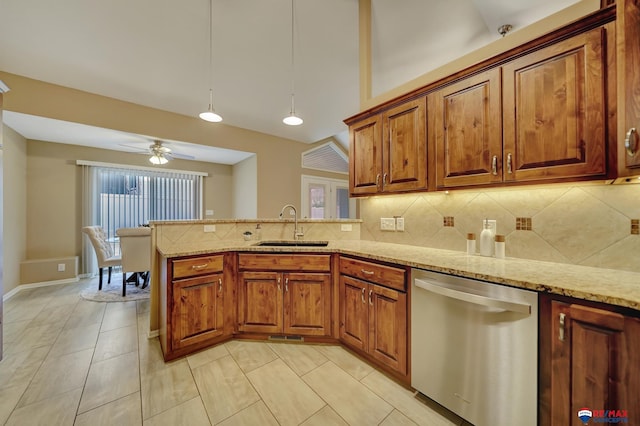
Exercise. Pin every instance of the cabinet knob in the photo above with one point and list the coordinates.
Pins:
(630, 142)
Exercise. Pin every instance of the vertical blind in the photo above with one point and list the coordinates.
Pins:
(115, 197)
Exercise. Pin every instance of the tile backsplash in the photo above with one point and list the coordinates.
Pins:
(585, 224)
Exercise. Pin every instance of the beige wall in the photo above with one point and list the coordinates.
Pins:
(277, 185)
(15, 206)
(245, 184)
(54, 193)
(583, 224)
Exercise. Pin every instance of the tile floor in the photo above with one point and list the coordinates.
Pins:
(71, 361)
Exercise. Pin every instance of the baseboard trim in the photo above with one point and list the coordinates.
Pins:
(21, 287)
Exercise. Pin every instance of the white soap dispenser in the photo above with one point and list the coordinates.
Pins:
(486, 240)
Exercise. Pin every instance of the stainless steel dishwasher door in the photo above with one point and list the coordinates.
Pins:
(474, 348)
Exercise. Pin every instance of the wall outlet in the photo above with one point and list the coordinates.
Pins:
(387, 224)
(346, 227)
(209, 228)
(208, 212)
(62, 267)
(400, 224)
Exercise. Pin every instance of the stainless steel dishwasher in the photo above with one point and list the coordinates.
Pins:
(474, 348)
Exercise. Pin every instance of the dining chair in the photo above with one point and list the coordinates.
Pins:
(104, 251)
(135, 248)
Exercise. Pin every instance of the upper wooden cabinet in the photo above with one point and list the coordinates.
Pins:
(554, 111)
(388, 152)
(556, 108)
(628, 64)
(465, 120)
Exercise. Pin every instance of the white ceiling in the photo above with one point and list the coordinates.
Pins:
(155, 53)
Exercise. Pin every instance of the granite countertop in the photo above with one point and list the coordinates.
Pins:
(611, 286)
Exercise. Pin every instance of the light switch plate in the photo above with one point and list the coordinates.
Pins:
(387, 224)
(209, 228)
(400, 224)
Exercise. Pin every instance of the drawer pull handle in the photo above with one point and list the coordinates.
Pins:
(364, 271)
(199, 267)
(362, 295)
(370, 302)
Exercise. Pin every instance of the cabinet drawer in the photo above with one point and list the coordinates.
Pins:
(197, 266)
(285, 262)
(373, 272)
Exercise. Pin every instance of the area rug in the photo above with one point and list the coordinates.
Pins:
(113, 293)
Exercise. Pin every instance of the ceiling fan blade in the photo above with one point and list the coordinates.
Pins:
(136, 148)
(181, 156)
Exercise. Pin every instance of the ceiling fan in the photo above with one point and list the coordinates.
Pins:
(160, 154)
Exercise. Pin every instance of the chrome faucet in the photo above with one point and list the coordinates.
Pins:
(296, 234)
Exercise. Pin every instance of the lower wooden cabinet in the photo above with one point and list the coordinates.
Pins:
(589, 358)
(194, 304)
(373, 318)
(197, 314)
(275, 302)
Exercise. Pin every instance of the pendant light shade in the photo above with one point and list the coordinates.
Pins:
(210, 114)
(292, 119)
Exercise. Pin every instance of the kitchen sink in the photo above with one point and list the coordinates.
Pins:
(292, 243)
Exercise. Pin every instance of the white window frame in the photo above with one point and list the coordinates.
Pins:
(333, 184)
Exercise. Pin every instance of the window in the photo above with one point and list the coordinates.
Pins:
(117, 197)
(324, 198)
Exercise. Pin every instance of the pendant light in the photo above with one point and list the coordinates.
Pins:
(210, 114)
(292, 119)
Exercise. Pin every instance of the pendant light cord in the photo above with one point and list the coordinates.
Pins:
(210, 54)
(293, 68)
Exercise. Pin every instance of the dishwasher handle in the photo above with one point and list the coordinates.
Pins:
(476, 299)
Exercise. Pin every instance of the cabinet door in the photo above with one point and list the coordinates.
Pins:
(554, 111)
(307, 304)
(587, 362)
(628, 57)
(260, 302)
(467, 128)
(388, 327)
(404, 143)
(365, 156)
(197, 311)
(354, 312)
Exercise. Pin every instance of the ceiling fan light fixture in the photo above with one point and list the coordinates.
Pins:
(158, 159)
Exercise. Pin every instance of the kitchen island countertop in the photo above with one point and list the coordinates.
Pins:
(610, 286)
